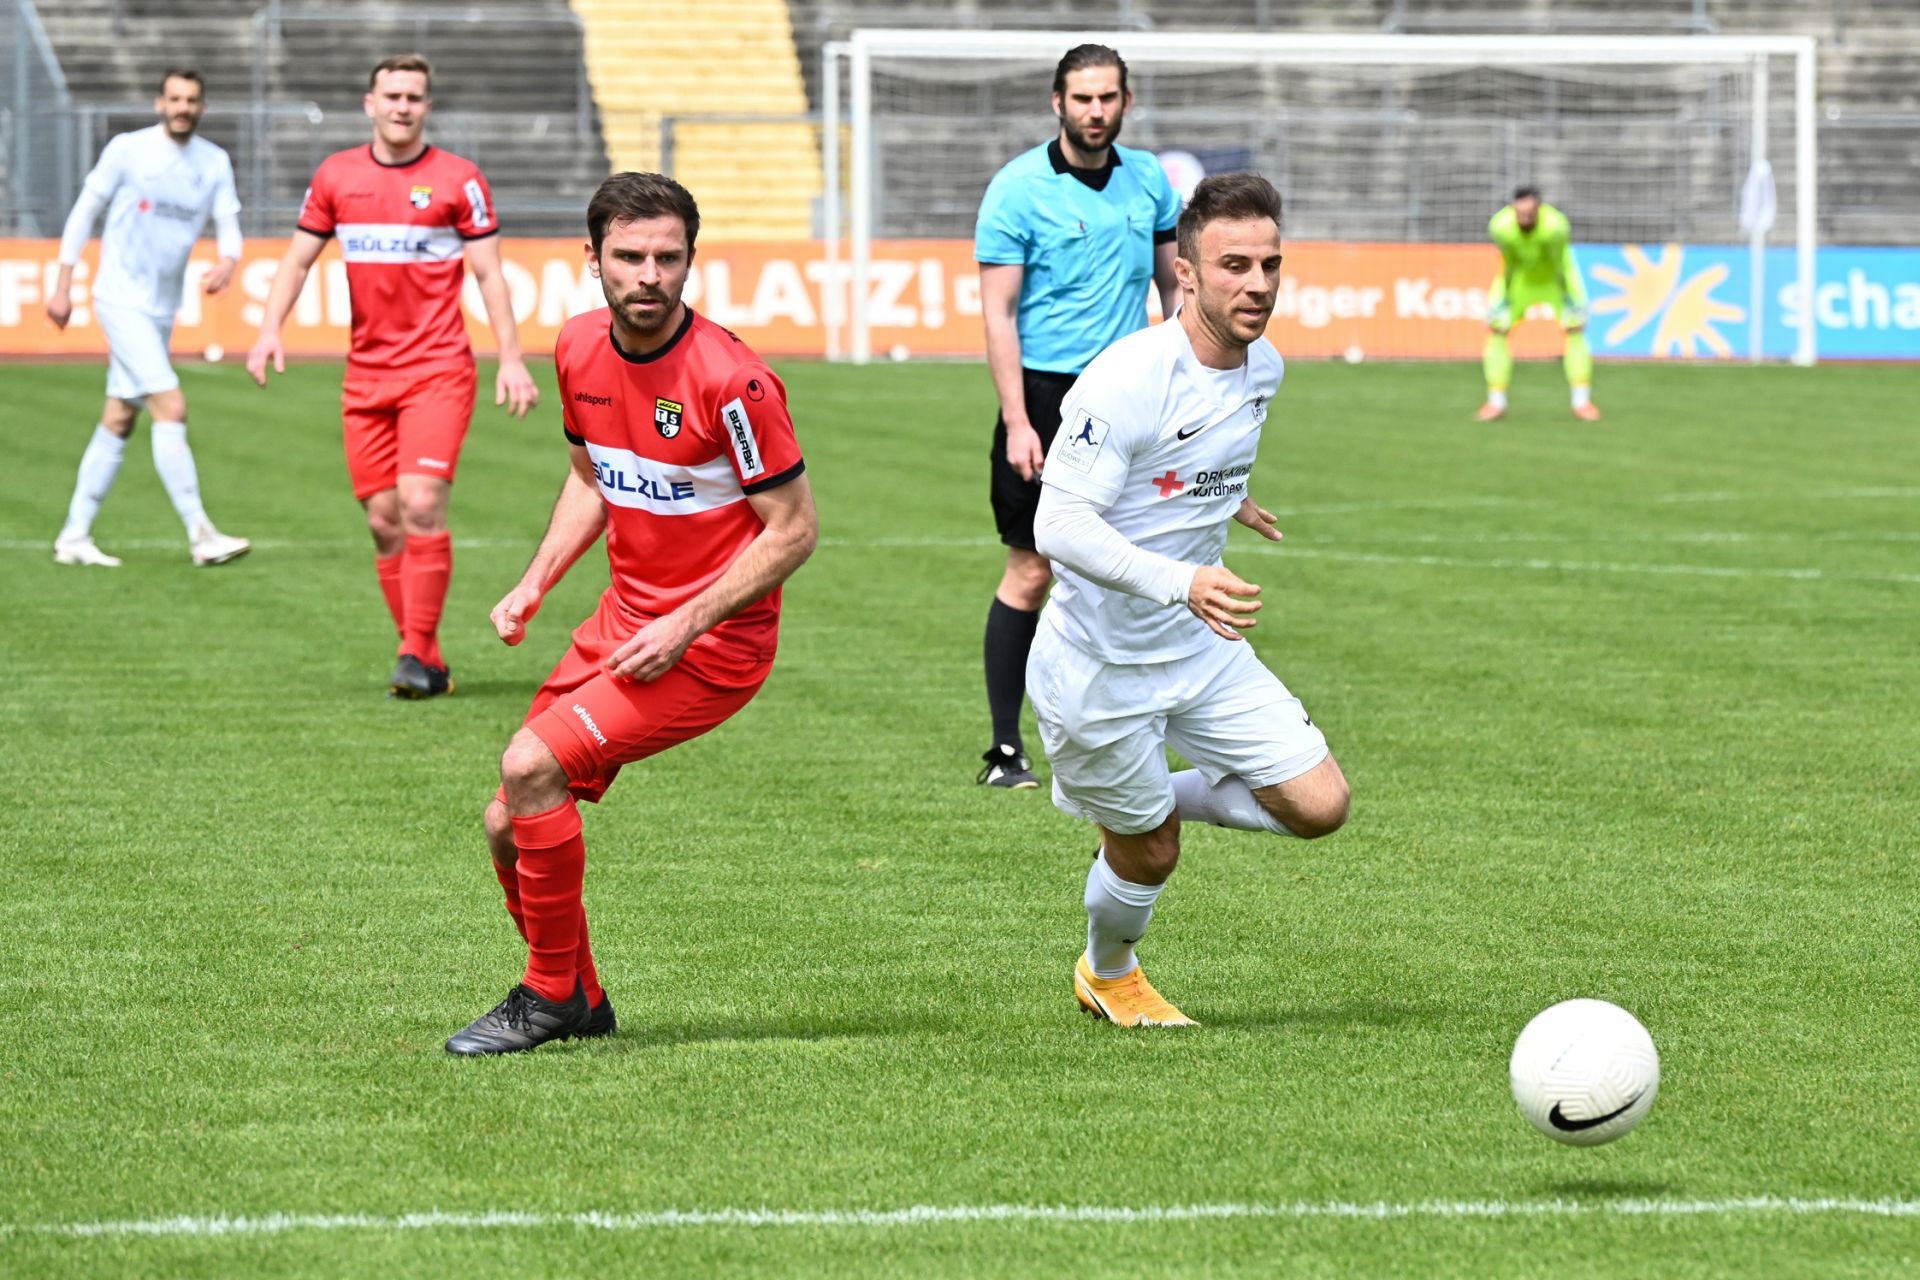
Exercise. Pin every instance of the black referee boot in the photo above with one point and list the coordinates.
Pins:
(524, 1020)
(1007, 768)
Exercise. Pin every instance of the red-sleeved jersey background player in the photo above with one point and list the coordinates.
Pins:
(684, 454)
(410, 219)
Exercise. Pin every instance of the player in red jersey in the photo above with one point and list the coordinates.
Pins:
(405, 214)
(683, 453)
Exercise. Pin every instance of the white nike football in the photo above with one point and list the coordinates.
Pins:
(1585, 1072)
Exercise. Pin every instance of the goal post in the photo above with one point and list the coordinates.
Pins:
(1415, 140)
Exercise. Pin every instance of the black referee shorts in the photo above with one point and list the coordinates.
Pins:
(1015, 500)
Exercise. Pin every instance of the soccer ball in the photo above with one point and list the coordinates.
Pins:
(1585, 1072)
(1353, 354)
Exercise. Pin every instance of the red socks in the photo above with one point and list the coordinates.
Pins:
(582, 955)
(583, 965)
(551, 872)
(388, 567)
(426, 568)
(510, 881)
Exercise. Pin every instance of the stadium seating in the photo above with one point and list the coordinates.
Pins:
(1870, 99)
(754, 180)
(519, 108)
(512, 74)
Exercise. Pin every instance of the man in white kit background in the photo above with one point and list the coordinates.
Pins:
(1140, 646)
(157, 187)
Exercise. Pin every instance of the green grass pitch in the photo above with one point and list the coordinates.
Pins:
(1628, 710)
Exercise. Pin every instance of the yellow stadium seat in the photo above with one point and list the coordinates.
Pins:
(648, 63)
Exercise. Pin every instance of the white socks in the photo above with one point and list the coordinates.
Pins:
(1582, 395)
(1498, 399)
(173, 459)
(98, 467)
(1117, 915)
(1230, 804)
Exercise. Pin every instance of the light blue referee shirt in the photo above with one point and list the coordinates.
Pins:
(1086, 238)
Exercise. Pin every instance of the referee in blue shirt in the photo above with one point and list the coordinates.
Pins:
(1070, 234)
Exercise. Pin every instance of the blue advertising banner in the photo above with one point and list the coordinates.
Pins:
(1691, 302)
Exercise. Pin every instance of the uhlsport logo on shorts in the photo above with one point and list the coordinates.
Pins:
(666, 416)
(587, 720)
(421, 197)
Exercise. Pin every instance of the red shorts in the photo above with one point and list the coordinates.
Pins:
(594, 723)
(405, 424)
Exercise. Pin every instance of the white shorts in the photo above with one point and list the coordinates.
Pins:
(1106, 727)
(137, 364)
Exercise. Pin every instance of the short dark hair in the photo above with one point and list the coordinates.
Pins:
(1226, 197)
(625, 197)
(181, 73)
(402, 62)
(1526, 193)
(1082, 56)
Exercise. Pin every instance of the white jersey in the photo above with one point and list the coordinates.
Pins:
(1165, 447)
(158, 195)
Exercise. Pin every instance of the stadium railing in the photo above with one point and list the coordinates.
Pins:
(42, 170)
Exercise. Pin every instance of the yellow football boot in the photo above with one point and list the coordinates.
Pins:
(1129, 1001)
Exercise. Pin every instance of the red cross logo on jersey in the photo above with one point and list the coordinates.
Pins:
(145, 206)
(1169, 484)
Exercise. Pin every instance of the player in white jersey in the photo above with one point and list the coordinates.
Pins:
(1140, 646)
(157, 187)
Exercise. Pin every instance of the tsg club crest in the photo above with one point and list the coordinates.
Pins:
(421, 197)
(666, 417)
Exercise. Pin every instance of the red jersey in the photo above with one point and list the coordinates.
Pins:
(679, 437)
(403, 228)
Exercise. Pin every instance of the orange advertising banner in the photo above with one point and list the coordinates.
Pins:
(1425, 301)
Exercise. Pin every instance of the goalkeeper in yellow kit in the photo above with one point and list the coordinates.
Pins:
(1537, 270)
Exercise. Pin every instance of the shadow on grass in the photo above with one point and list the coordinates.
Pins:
(633, 1039)
(465, 689)
(1352, 1013)
(1609, 1188)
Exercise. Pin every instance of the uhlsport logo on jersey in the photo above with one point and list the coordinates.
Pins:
(666, 417)
(746, 448)
(1084, 441)
(421, 197)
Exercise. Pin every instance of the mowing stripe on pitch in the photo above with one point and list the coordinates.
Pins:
(1586, 566)
(1318, 548)
(936, 1215)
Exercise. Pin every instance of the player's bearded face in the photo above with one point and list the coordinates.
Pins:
(643, 265)
(180, 106)
(1092, 108)
(1237, 279)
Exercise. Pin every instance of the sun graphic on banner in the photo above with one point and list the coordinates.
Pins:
(1643, 289)
(1653, 289)
(1691, 316)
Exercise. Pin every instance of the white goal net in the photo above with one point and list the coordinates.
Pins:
(1409, 141)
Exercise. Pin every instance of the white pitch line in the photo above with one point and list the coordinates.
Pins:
(259, 544)
(1733, 495)
(1316, 548)
(1585, 566)
(935, 1215)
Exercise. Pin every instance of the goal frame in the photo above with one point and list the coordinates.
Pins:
(1277, 49)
